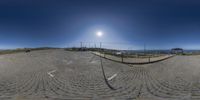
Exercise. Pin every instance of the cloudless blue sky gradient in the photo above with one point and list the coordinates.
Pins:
(160, 24)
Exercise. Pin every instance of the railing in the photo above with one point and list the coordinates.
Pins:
(135, 60)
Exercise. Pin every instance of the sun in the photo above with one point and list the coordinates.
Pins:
(99, 34)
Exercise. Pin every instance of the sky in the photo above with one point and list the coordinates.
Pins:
(129, 24)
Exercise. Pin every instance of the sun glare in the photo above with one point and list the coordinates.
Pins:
(99, 33)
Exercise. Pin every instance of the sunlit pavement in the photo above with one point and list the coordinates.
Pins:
(60, 74)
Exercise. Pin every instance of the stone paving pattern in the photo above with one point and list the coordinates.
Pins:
(67, 75)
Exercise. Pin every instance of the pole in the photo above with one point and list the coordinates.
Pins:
(149, 59)
(144, 48)
(100, 45)
(100, 49)
(122, 57)
(81, 46)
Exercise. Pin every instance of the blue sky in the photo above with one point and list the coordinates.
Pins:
(160, 24)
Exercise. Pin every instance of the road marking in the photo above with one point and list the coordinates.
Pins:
(50, 73)
(110, 78)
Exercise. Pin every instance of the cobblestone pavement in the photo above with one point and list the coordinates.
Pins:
(65, 75)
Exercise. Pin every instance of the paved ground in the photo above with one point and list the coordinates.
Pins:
(60, 75)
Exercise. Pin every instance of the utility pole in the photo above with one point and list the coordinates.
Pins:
(81, 46)
(100, 44)
(100, 49)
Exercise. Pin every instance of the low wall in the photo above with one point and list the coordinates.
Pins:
(133, 60)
